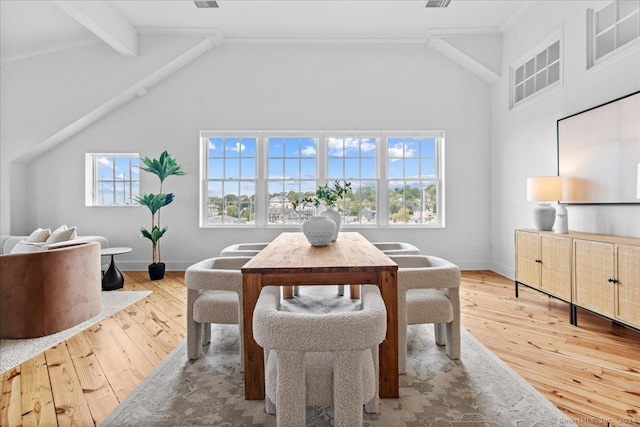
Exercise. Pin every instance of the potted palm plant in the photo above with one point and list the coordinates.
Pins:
(163, 167)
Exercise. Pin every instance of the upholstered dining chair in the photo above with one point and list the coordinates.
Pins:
(397, 248)
(428, 292)
(243, 249)
(214, 295)
(320, 358)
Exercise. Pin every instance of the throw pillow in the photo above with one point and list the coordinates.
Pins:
(40, 235)
(24, 246)
(62, 235)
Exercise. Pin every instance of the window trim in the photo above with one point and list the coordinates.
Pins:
(261, 186)
(555, 36)
(91, 179)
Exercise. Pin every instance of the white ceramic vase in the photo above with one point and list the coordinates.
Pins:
(332, 213)
(319, 230)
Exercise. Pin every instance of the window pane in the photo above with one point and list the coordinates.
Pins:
(529, 68)
(335, 168)
(248, 168)
(292, 147)
(215, 147)
(627, 30)
(428, 168)
(519, 75)
(249, 147)
(396, 169)
(106, 193)
(368, 147)
(519, 93)
(605, 18)
(352, 169)
(541, 80)
(308, 147)
(308, 168)
(554, 73)
(232, 147)
(604, 43)
(541, 60)
(412, 168)
(292, 168)
(276, 147)
(626, 8)
(529, 87)
(554, 52)
(216, 169)
(368, 168)
(276, 168)
(232, 168)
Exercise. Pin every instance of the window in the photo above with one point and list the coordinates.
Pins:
(353, 159)
(254, 178)
(537, 71)
(611, 27)
(231, 179)
(112, 179)
(413, 172)
(291, 174)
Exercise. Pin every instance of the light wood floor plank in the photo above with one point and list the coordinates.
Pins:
(591, 372)
(37, 398)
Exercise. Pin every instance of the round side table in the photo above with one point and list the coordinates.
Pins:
(112, 278)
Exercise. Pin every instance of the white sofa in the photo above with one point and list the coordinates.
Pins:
(8, 242)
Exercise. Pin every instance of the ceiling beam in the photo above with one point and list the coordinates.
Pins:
(463, 59)
(104, 20)
(138, 90)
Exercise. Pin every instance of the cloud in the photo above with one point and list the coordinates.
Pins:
(397, 151)
(212, 146)
(104, 161)
(337, 146)
(238, 147)
(309, 151)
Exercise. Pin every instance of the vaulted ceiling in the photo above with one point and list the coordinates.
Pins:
(32, 27)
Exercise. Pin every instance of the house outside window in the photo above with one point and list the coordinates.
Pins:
(112, 179)
(612, 28)
(538, 71)
(254, 178)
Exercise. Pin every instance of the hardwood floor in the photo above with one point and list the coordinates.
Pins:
(591, 372)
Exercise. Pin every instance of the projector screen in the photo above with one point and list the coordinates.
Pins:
(599, 153)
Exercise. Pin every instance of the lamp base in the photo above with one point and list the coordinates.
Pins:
(544, 215)
(561, 225)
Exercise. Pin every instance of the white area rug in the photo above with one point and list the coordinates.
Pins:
(15, 352)
(479, 390)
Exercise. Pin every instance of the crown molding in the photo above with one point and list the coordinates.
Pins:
(36, 54)
(212, 33)
(237, 41)
(453, 32)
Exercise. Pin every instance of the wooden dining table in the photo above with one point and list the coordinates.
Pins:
(289, 261)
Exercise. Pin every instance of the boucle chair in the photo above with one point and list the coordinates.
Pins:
(397, 248)
(320, 359)
(243, 249)
(428, 292)
(214, 295)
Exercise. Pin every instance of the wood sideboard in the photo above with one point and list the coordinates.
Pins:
(596, 272)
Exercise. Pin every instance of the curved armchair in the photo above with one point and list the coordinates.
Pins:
(243, 249)
(397, 248)
(320, 359)
(214, 295)
(428, 292)
(48, 291)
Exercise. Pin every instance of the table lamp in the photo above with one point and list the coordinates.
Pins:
(544, 189)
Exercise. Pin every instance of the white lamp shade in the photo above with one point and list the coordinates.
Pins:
(544, 188)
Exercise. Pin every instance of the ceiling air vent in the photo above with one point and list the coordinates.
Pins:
(206, 3)
(437, 3)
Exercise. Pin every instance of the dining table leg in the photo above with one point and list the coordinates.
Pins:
(389, 381)
(253, 353)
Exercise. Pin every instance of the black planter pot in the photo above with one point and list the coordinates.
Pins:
(156, 271)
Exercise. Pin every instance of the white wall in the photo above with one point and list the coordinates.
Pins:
(260, 88)
(524, 138)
